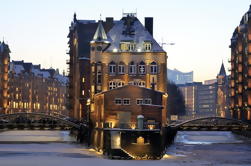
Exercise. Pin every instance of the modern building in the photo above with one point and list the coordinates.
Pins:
(179, 77)
(190, 94)
(81, 32)
(32, 89)
(240, 78)
(208, 99)
(4, 70)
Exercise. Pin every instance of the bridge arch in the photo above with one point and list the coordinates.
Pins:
(211, 122)
(41, 115)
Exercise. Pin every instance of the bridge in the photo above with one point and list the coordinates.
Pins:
(212, 124)
(25, 120)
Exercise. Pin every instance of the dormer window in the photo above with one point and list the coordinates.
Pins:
(147, 46)
(127, 46)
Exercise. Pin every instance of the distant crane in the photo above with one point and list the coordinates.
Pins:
(163, 43)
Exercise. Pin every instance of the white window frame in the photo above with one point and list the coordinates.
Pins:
(144, 69)
(121, 69)
(120, 83)
(139, 103)
(112, 68)
(153, 68)
(149, 101)
(148, 46)
(118, 99)
(126, 99)
(141, 84)
(112, 85)
(132, 69)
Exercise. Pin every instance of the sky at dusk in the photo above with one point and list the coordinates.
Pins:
(36, 31)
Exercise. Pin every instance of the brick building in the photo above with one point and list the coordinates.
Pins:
(4, 69)
(80, 34)
(240, 78)
(32, 89)
(126, 63)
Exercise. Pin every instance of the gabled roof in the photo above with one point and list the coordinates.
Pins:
(130, 29)
(100, 35)
(222, 70)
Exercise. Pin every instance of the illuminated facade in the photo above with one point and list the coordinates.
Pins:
(240, 78)
(127, 56)
(32, 89)
(4, 69)
(128, 95)
(80, 34)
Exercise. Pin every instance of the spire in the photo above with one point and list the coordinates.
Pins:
(100, 34)
(74, 17)
(222, 70)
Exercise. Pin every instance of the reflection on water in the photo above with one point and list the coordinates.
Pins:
(36, 136)
(189, 148)
(207, 137)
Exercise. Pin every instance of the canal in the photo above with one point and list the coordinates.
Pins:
(45, 148)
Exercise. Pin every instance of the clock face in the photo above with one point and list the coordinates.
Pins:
(99, 48)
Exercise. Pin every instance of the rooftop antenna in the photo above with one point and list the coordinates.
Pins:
(100, 17)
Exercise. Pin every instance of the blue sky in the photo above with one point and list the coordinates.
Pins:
(36, 31)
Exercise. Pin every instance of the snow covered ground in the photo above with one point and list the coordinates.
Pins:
(212, 149)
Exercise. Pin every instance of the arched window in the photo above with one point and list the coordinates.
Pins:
(112, 68)
(112, 85)
(142, 68)
(120, 84)
(141, 84)
(153, 68)
(121, 68)
(132, 68)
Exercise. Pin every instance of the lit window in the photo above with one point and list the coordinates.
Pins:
(121, 68)
(142, 68)
(139, 101)
(118, 101)
(99, 77)
(127, 46)
(112, 85)
(153, 68)
(132, 68)
(112, 68)
(148, 46)
(126, 101)
(83, 79)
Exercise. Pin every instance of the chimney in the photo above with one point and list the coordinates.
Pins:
(109, 22)
(149, 24)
